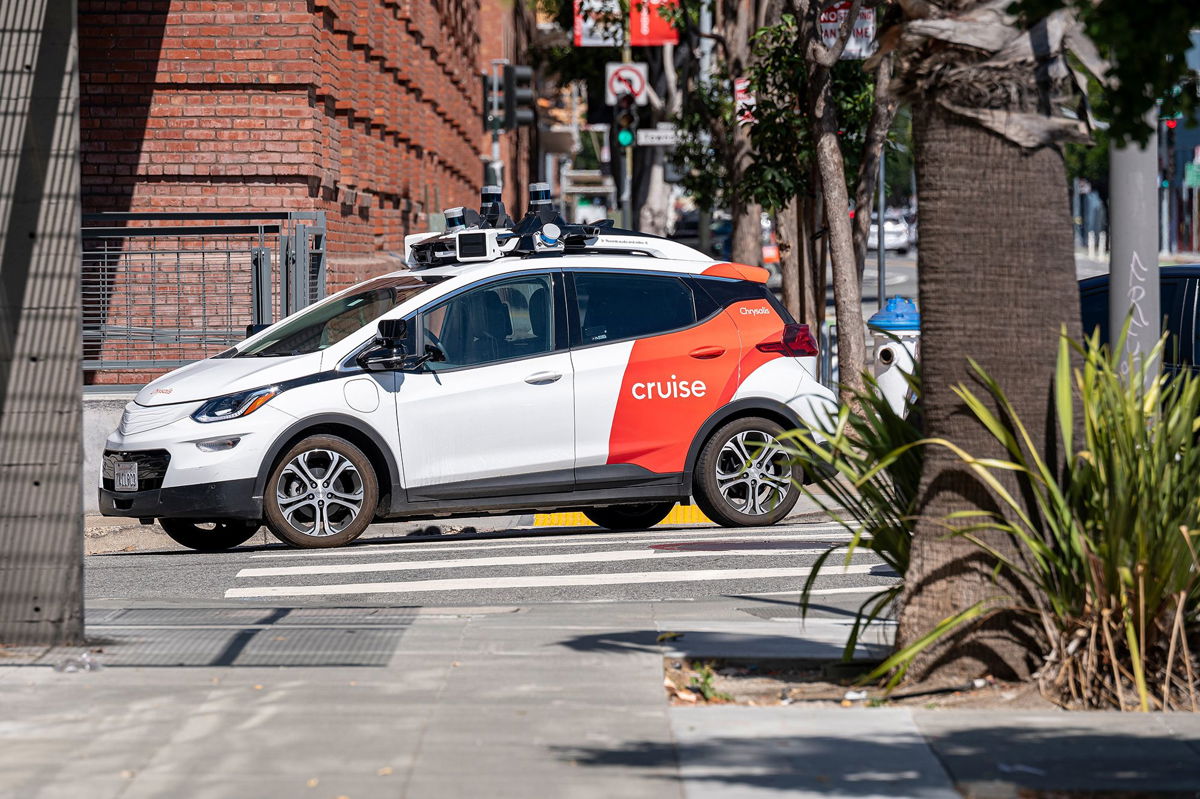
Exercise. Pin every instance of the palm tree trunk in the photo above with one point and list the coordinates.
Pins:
(997, 283)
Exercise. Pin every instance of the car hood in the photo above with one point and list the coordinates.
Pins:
(216, 377)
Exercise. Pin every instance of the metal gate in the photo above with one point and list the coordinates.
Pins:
(184, 286)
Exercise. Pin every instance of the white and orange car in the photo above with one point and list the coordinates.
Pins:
(526, 368)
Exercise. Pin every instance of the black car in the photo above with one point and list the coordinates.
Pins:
(1178, 298)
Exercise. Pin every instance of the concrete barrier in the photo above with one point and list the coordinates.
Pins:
(101, 415)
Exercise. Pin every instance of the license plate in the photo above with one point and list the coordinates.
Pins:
(126, 476)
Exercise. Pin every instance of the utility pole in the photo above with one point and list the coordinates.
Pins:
(704, 219)
(627, 178)
(41, 528)
(494, 97)
(880, 256)
(1133, 283)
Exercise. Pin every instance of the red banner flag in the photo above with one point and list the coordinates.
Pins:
(647, 27)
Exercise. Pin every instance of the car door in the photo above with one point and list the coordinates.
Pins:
(653, 359)
(495, 415)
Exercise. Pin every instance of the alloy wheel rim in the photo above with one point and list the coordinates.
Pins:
(319, 493)
(754, 473)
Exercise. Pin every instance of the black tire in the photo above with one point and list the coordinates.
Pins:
(216, 535)
(630, 517)
(303, 510)
(729, 507)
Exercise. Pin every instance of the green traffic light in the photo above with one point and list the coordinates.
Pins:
(624, 137)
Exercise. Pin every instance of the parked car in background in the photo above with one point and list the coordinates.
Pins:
(895, 233)
(1177, 303)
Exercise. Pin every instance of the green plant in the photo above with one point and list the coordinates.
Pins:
(1109, 555)
(702, 683)
(866, 467)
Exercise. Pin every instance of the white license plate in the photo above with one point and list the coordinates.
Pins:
(126, 476)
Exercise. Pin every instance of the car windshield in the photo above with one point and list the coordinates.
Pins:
(326, 324)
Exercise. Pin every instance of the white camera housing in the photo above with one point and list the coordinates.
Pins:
(476, 245)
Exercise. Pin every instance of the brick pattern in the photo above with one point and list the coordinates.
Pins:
(367, 109)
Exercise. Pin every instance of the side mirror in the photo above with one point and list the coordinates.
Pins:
(395, 359)
(393, 330)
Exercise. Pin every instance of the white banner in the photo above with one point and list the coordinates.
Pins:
(599, 23)
(862, 37)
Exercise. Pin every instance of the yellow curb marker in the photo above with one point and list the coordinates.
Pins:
(680, 514)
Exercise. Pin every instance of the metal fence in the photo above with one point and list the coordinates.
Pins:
(164, 289)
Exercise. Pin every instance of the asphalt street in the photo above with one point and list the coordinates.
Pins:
(521, 566)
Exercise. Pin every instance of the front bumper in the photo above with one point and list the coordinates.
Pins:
(229, 499)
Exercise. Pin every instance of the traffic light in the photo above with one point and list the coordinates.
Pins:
(625, 120)
(493, 102)
(518, 96)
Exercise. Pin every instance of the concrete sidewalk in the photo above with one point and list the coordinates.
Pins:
(539, 701)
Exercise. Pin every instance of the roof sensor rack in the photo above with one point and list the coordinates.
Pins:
(472, 237)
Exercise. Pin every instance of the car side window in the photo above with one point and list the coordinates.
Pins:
(1176, 320)
(496, 322)
(1170, 301)
(614, 307)
(1093, 308)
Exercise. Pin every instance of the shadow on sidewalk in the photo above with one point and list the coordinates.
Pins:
(892, 760)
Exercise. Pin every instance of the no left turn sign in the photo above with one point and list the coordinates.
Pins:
(625, 79)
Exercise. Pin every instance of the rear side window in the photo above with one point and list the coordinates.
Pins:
(613, 307)
(727, 292)
(1094, 310)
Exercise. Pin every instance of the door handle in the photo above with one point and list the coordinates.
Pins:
(704, 353)
(542, 378)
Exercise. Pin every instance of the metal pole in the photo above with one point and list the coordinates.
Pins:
(627, 178)
(1133, 285)
(880, 256)
(497, 75)
(704, 218)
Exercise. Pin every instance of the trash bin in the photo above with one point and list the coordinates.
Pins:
(897, 332)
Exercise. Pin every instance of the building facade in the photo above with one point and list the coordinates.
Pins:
(369, 110)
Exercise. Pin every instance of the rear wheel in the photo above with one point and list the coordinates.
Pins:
(744, 477)
(630, 517)
(209, 536)
(322, 493)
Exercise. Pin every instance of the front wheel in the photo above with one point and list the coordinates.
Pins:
(630, 517)
(744, 477)
(322, 493)
(209, 536)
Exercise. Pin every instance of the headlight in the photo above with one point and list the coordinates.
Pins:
(234, 406)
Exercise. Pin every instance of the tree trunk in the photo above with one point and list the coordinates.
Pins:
(791, 249)
(847, 290)
(997, 281)
(654, 214)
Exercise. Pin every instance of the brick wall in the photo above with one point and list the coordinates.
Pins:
(366, 109)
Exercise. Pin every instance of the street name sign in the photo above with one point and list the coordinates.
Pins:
(657, 137)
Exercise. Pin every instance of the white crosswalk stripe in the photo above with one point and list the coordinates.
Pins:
(830, 533)
(474, 583)
(589, 567)
(513, 560)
